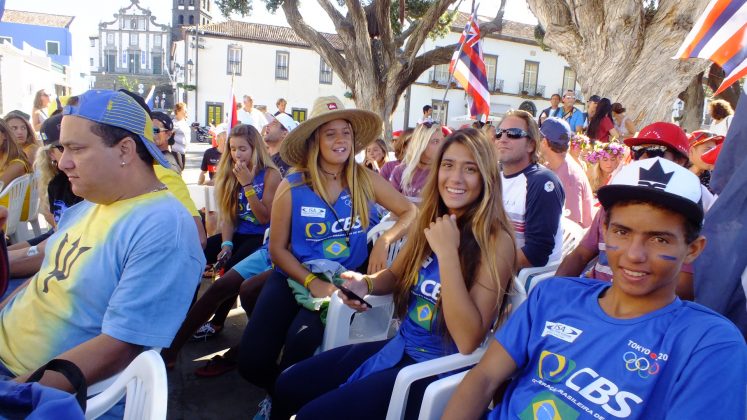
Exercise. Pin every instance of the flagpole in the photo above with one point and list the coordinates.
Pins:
(451, 72)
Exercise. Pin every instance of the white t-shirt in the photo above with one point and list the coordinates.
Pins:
(720, 128)
(255, 118)
(182, 132)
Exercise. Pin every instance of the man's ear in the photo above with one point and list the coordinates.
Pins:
(127, 149)
(694, 249)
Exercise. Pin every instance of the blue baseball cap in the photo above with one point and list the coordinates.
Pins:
(118, 110)
(556, 130)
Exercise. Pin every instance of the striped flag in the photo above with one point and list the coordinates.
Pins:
(468, 68)
(720, 35)
(149, 96)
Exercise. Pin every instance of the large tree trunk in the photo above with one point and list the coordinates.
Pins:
(693, 97)
(620, 53)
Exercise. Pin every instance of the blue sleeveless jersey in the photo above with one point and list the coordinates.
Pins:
(316, 232)
(420, 336)
(424, 338)
(247, 222)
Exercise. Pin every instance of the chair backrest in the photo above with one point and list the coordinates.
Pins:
(197, 194)
(33, 197)
(143, 383)
(16, 194)
(572, 235)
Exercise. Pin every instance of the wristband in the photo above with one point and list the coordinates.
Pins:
(227, 243)
(369, 283)
(307, 281)
(250, 192)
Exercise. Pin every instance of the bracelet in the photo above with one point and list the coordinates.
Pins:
(227, 243)
(307, 281)
(369, 283)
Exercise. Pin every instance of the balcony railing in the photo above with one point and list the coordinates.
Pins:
(495, 86)
(531, 89)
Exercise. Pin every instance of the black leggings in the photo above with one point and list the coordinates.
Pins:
(277, 323)
(243, 246)
(311, 389)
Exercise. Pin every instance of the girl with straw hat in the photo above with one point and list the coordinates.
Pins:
(322, 211)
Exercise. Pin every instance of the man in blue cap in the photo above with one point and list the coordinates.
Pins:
(119, 274)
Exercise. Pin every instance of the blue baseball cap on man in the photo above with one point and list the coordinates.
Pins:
(556, 131)
(118, 110)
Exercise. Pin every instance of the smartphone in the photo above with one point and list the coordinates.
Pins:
(221, 262)
(351, 295)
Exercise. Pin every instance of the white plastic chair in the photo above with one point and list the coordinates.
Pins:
(572, 235)
(407, 376)
(345, 326)
(16, 194)
(198, 195)
(143, 383)
(33, 215)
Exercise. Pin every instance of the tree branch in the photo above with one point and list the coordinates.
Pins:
(320, 43)
(337, 18)
(382, 16)
(406, 33)
(429, 19)
(361, 45)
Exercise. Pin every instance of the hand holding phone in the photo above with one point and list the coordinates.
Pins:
(352, 295)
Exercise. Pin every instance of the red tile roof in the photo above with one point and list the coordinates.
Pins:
(261, 32)
(38, 19)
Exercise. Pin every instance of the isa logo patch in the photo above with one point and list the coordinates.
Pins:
(317, 212)
(561, 331)
(335, 248)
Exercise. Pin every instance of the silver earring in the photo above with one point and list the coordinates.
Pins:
(122, 164)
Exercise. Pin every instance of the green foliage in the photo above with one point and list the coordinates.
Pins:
(414, 10)
(128, 83)
(539, 36)
(242, 7)
(649, 9)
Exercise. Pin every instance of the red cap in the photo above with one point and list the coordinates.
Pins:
(446, 130)
(396, 134)
(698, 137)
(710, 156)
(663, 133)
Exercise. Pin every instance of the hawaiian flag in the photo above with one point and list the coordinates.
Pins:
(720, 35)
(468, 68)
(234, 114)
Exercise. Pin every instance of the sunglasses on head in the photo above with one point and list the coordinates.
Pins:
(512, 133)
(429, 124)
(649, 150)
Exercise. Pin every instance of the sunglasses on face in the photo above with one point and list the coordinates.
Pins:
(159, 130)
(649, 150)
(512, 133)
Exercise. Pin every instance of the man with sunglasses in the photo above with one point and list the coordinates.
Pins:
(532, 194)
(660, 139)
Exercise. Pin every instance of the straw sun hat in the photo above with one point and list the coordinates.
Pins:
(366, 128)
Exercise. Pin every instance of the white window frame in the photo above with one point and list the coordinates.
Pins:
(157, 40)
(491, 70)
(279, 61)
(47, 43)
(110, 38)
(566, 71)
(135, 38)
(326, 74)
(234, 55)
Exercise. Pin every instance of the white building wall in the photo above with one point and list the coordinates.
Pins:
(257, 77)
(510, 68)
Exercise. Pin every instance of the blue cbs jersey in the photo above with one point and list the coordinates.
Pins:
(247, 222)
(682, 361)
(423, 335)
(319, 232)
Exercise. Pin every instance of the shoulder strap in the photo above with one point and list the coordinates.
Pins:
(71, 372)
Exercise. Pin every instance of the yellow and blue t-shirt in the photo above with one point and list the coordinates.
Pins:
(127, 270)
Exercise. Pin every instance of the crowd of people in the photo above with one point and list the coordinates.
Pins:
(616, 333)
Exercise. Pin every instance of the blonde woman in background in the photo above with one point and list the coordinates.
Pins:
(410, 176)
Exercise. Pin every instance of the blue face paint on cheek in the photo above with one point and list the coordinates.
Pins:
(612, 247)
(667, 257)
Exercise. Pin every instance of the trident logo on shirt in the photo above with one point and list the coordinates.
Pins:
(61, 273)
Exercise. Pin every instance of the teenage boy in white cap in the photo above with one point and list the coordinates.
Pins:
(274, 134)
(581, 348)
(119, 273)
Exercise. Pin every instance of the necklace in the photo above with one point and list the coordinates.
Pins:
(161, 187)
(333, 175)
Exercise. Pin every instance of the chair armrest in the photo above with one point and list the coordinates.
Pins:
(337, 330)
(527, 273)
(407, 376)
(438, 394)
